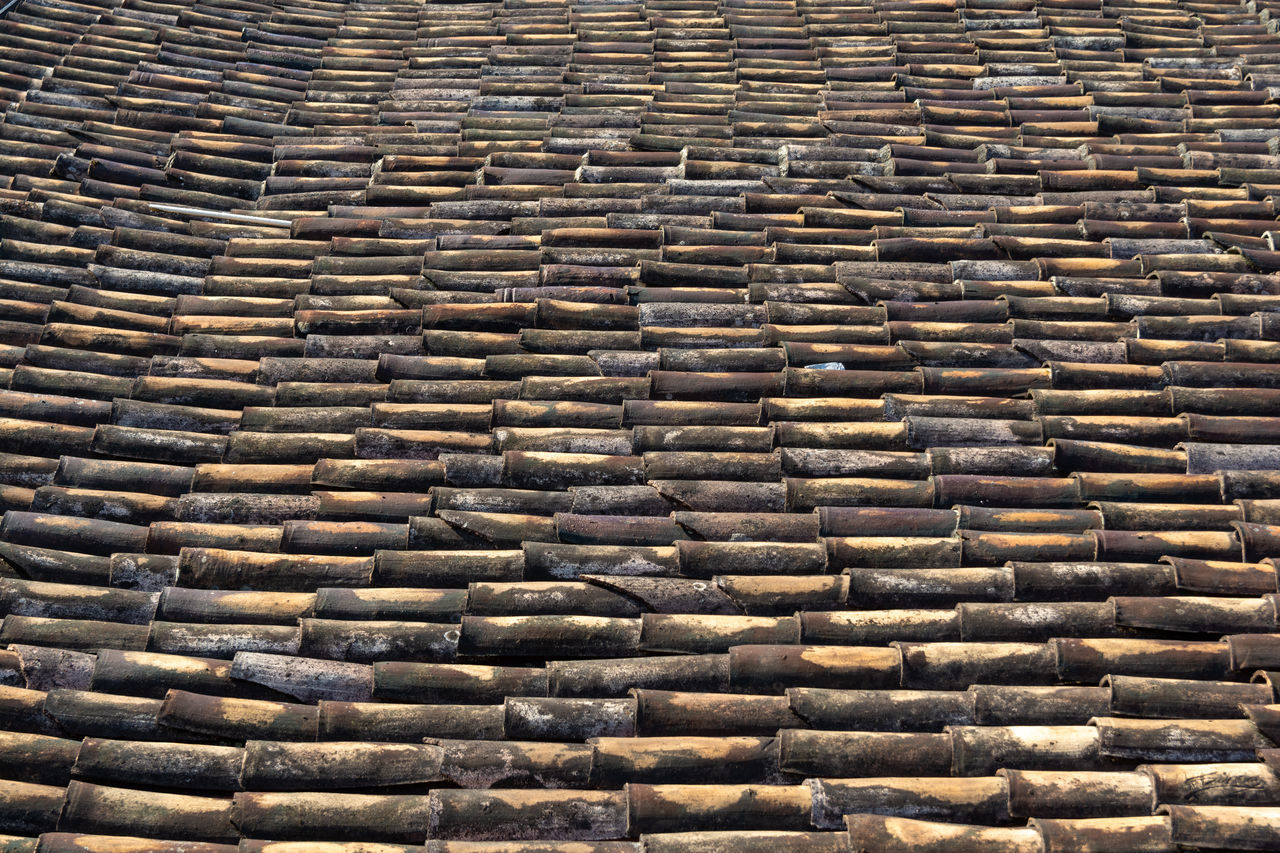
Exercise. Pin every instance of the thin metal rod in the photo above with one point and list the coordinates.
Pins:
(201, 213)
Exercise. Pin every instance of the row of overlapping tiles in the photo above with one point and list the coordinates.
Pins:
(444, 547)
(586, 816)
(822, 644)
(557, 798)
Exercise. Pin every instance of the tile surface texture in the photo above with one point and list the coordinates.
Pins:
(639, 426)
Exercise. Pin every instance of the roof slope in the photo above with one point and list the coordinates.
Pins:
(669, 425)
